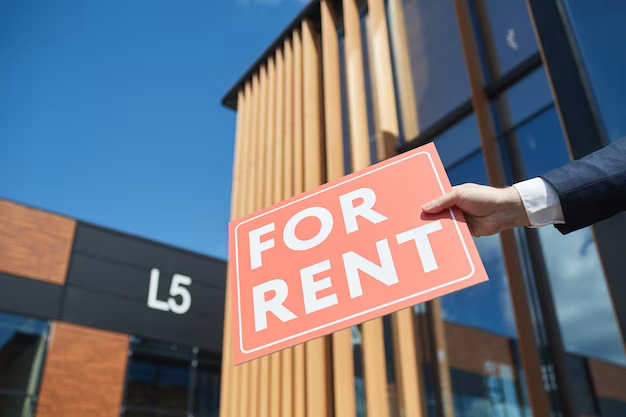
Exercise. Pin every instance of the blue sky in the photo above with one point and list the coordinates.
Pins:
(110, 110)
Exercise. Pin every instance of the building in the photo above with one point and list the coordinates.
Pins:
(506, 89)
(94, 322)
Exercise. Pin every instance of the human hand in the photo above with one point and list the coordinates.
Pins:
(487, 210)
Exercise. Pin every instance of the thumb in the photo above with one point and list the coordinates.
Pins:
(442, 203)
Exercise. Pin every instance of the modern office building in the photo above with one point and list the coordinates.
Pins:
(98, 323)
(507, 90)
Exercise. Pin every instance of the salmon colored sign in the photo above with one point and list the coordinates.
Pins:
(346, 252)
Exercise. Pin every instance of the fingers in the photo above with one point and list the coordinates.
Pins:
(442, 203)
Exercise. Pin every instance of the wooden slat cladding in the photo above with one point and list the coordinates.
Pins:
(84, 373)
(342, 350)
(402, 65)
(529, 353)
(355, 86)
(227, 359)
(406, 367)
(372, 331)
(299, 354)
(265, 177)
(317, 404)
(440, 349)
(287, 402)
(274, 176)
(242, 373)
(382, 79)
(34, 244)
(332, 91)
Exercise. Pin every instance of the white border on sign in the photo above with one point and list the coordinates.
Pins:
(469, 258)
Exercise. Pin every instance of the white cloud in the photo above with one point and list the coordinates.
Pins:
(582, 299)
(491, 254)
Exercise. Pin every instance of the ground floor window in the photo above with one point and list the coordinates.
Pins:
(165, 379)
(23, 343)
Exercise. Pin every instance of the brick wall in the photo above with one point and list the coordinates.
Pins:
(84, 373)
(33, 243)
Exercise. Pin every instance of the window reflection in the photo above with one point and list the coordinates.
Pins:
(595, 357)
(452, 149)
(158, 377)
(507, 33)
(437, 66)
(22, 353)
(524, 99)
(173, 380)
(583, 304)
(479, 322)
(598, 28)
(207, 386)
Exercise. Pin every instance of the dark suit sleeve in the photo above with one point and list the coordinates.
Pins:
(593, 188)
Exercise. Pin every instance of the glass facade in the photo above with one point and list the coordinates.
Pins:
(169, 379)
(597, 29)
(22, 353)
(486, 373)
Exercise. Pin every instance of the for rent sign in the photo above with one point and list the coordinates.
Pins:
(344, 253)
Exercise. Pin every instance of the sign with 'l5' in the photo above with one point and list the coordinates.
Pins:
(346, 252)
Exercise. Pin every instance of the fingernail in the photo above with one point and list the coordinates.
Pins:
(427, 206)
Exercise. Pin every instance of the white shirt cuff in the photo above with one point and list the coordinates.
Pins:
(541, 202)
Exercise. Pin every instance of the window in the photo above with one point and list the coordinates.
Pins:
(506, 32)
(437, 65)
(170, 379)
(598, 29)
(22, 353)
(207, 386)
(479, 326)
(595, 355)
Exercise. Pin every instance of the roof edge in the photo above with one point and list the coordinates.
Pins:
(311, 10)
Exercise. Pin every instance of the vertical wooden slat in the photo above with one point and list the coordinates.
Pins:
(279, 137)
(372, 331)
(299, 354)
(407, 370)
(265, 177)
(343, 360)
(404, 77)
(247, 387)
(355, 86)
(439, 343)
(277, 180)
(252, 192)
(238, 165)
(274, 363)
(270, 139)
(312, 106)
(316, 366)
(254, 388)
(242, 192)
(529, 353)
(235, 406)
(298, 114)
(287, 409)
(288, 121)
(385, 104)
(332, 91)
